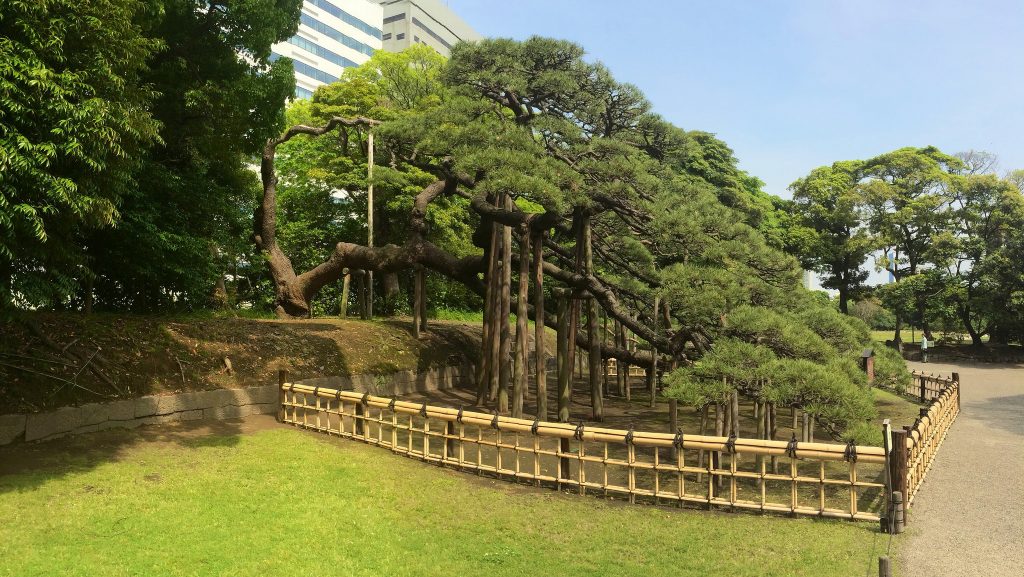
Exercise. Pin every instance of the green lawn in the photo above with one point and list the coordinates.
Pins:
(286, 502)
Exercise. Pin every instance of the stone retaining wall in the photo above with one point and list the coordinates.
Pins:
(217, 404)
(131, 413)
(400, 383)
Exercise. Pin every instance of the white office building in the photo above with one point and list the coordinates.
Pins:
(430, 22)
(333, 35)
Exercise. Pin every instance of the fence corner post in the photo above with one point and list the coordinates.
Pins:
(282, 378)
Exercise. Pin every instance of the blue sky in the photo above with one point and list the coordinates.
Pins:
(792, 85)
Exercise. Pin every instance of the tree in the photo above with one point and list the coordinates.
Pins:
(829, 202)
(74, 122)
(534, 143)
(907, 194)
(220, 98)
(987, 213)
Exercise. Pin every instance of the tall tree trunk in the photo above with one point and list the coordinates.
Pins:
(844, 298)
(538, 308)
(965, 317)
(486, 386)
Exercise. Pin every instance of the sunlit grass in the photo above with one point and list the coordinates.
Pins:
(285, 502)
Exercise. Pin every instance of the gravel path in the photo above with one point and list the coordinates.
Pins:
(968, 518)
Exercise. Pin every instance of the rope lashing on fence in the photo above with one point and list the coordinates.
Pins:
(791, 447)
(458, 417)
(677, 441)
(535, 426)
(423, 409)
(391, 405)
(850, 454)
(365, 400)
(578, 433)
(629, 435)
(337, 395)
(291, 388)
(315, 391)
(730, 444)
(494, 422)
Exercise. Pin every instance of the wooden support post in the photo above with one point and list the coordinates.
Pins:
(359, 423)
(282, 378)
(673, 416)
(564, 463)
(539, 340)
(898, 463)
(596, 393)
(422, 274)
(564, 366)
(505, 344)
(417, 298)
(924, 389)
(520, 376)
(343, 302)
(451, 445)
(652, 372)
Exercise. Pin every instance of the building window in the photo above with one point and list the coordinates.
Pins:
(415, 38)
(386, 36)
(306, 69)
(400, 37)
(346, 17)
(320, 51)
(432, 34)
(336, 35)
(301, 92)
(394, 18)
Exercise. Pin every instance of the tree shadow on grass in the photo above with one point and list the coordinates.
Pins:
(27, 466)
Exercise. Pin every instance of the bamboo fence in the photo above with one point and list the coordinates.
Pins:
(921, 441)
(819, 479)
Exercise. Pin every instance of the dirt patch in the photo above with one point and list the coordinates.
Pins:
(138, 355)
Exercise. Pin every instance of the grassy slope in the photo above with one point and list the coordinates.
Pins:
(144, 355)
(284, 502)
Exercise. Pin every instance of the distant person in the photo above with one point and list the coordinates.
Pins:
(924, 349)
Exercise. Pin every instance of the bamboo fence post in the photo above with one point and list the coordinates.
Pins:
(923, 389)
(282, 378)
(539, 337)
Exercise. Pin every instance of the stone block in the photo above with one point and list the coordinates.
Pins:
(264, 409)
(227, 412)
(11, 427)
(146, 406)
(121, 410)
(93, 413)
(44, 425)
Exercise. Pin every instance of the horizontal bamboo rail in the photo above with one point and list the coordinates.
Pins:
(820, 479)
(926, 435)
